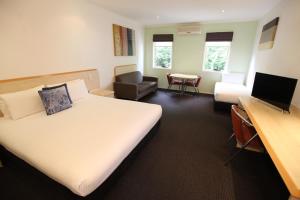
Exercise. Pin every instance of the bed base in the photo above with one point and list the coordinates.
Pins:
(222, 106)
(21, 167)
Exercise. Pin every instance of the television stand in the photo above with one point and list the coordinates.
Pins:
(272, 106)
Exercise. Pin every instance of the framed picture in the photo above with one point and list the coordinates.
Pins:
(124, 41)
(268, 34)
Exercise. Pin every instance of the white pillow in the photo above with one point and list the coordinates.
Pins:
(23, 103)
(76, 88)
(235, 78)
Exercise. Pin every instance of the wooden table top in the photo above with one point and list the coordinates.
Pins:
(184, 76)
(280, 134)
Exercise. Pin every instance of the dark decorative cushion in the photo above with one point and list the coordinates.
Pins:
(54, 87)
(55, 100)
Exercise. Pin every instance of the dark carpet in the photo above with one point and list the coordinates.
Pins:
(183, 159)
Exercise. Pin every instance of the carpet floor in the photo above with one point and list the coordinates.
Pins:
(183, 160)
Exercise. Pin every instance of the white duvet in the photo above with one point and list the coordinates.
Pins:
(229, 92)
(80, 147)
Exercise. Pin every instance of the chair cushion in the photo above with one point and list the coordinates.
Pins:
(191, 82)
(132, 77)
(146, 85)
(176, 82)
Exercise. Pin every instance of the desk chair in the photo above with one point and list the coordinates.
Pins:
(244, 133)
(172, 81)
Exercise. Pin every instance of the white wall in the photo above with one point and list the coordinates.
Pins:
(284, 58)
(188, 52)
(48, 36)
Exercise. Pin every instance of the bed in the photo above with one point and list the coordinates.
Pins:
(228, 91)
(81, 146)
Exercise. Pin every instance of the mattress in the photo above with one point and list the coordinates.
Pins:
(229, 92)
(80, 147)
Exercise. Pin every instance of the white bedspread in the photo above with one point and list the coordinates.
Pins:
(229, 92)
(80, 147)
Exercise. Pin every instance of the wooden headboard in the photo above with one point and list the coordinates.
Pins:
(122, 69)
(90, 76)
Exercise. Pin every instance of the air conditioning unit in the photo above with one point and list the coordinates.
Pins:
(189, 29)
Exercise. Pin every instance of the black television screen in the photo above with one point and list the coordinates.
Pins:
(276, 90)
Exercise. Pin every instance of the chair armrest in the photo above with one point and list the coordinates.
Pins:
(150, 78)
(126, 90)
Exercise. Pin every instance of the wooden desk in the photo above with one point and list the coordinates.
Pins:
(280, 134)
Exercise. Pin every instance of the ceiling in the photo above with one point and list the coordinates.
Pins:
(154, 12)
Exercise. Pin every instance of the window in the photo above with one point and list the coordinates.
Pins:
(217, 50)
(162, 55)
(216, 56)
(162, 51)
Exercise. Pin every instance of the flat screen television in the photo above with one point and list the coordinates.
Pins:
(276, 90)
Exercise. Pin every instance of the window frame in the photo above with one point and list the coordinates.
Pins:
(229, 43)
(154, 54)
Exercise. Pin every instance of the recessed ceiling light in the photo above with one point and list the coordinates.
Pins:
(222, 11)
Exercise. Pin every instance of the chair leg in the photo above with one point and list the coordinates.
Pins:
(195, 89)
(169, 87)
(230, 138)
(241, 149)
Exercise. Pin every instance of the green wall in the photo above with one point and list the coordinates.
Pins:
(188, 52)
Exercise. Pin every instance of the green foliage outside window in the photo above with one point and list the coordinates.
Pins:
(163, 56)
(216, 58)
